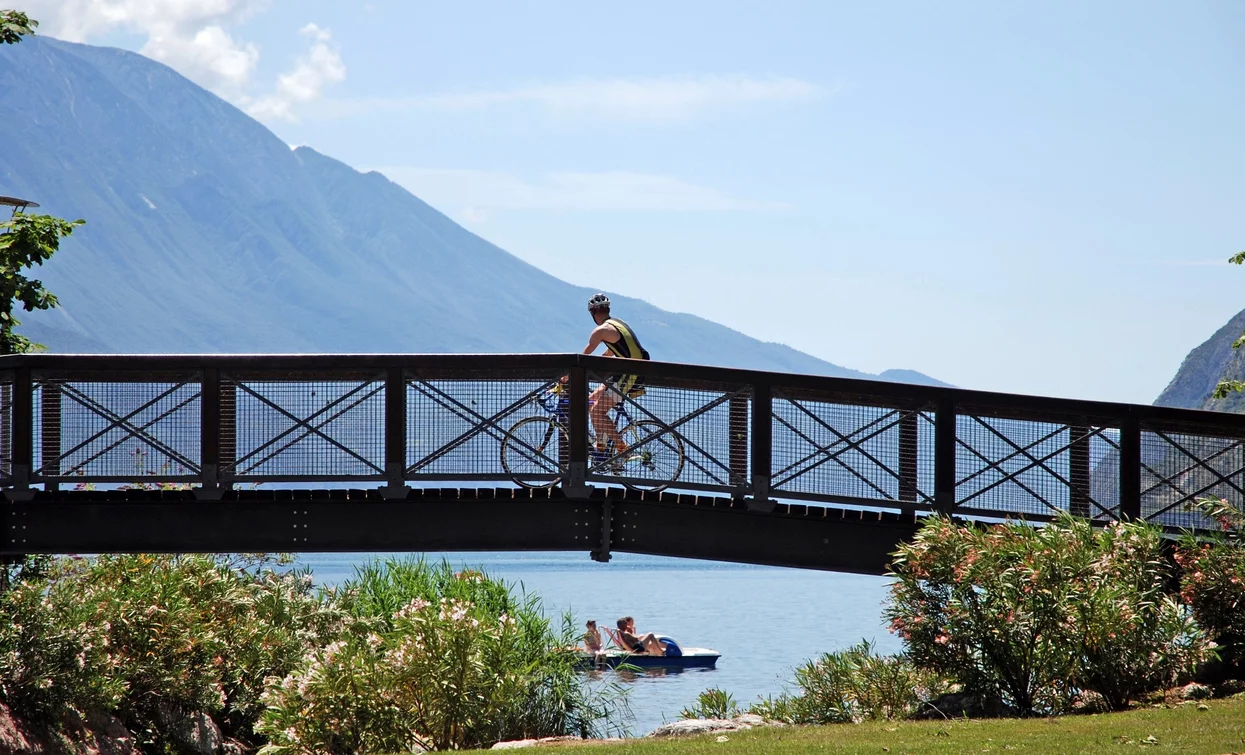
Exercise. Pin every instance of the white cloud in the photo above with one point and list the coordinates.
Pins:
(318, 67)
(193, 38)
(209, 57)
(473, 195)
(659, 98)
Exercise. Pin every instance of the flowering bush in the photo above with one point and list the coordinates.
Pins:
(187, 633)
(461, 663)
(1035, 614)
(47, 662)
(1212, 580)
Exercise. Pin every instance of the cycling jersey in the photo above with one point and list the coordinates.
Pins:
(627, 347)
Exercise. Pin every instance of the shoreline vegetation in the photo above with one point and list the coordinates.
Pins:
(241, 654)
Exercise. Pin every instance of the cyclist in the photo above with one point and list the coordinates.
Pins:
(620, 341)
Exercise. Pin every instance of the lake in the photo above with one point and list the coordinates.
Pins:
(764, 620)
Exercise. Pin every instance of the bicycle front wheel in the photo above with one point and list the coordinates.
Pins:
(657, 455)
(531, 450)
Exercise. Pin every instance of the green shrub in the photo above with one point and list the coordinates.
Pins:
(192, 633)
(1212, 580)
(852, 685)
(462, 663)
(1035, 614)
(712, 703)
(50, 660)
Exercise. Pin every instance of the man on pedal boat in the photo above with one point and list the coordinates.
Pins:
(620, 341)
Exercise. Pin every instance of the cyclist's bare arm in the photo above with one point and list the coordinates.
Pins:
(597, 338)
(600, 335)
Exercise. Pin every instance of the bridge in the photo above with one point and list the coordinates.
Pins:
(313, 453)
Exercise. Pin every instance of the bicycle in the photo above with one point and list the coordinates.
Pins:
(529, 454)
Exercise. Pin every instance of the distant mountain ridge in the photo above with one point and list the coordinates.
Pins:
(1214, 360)
(206, 233)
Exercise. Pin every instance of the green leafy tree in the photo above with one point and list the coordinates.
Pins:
(14, 25)
(1232, 386)
(27, 240)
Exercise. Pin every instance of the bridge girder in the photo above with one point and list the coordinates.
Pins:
(684, 526)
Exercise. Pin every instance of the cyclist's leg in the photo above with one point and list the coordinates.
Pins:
(604, 398)
(621, 385)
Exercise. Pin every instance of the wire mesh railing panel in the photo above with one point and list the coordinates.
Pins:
(853, 452)
(486, 428)
(1104, 459)
(302, 427)
(1017, 466)
(673, 434)
(6, 428)
(1177, 469)
(116, 431)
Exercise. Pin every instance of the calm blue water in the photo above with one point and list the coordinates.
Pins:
(764, 620)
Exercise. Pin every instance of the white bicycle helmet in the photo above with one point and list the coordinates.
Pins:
(598, 301)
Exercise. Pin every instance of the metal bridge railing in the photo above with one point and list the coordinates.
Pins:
(404, 420)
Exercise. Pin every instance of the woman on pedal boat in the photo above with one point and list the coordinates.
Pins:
(620, 341)
(647, 644)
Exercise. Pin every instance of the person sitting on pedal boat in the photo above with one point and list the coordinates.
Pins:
(647, 644)
(592, 638)
(620, 341)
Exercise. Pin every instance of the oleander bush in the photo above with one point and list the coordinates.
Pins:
(1212, 581)
(405, 655)
(433, 659)
(50, 657)
(192, 633)
(1035, 615)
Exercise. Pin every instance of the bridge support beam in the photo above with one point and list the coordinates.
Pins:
(210, 436)
(762, 447)
(395, 434)
(574, 483)
(23, 435)
(1130, 469)
(602, 551)
(944, 456)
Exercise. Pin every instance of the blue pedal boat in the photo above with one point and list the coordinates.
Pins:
(701, 658)
(676, 657)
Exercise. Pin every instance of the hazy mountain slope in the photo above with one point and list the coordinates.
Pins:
(207, 233)
(1204, 367)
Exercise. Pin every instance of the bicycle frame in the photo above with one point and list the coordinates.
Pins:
(557, 403)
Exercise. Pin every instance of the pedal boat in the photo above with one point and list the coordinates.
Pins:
(702, 658)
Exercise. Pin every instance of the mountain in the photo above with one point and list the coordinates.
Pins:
(206, 233)
(1204, 367)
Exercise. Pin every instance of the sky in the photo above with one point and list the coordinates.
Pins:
(1035, 198)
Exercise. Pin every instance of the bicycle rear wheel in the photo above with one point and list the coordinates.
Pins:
(659, 459)
(530, 452)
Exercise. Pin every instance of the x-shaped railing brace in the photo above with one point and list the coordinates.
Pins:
(131, 430)
(307, 426)
(483, 424)
(849, 445)
(1033, 462)
(1220, 479)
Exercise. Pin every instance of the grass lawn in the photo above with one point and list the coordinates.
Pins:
(1183, 728)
